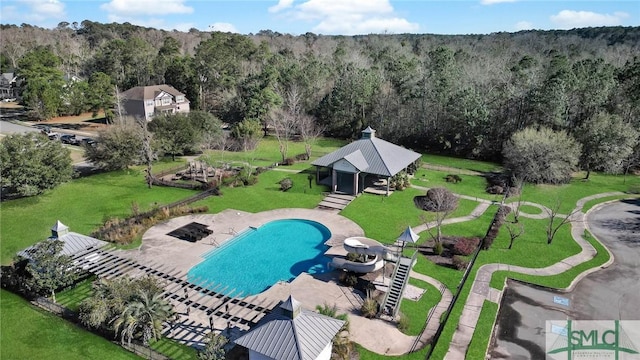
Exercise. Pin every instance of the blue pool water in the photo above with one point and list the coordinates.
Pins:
(258, 258)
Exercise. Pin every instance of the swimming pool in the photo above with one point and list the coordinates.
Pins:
(258, 258)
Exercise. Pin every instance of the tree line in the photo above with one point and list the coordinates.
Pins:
(464, 95)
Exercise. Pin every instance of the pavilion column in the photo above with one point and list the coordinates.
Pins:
(355, 184)
(388, 181)
(334, 180)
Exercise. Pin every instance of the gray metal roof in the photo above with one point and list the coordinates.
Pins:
(73, 243)
(357, 160)
(300, 338)
(383, 157)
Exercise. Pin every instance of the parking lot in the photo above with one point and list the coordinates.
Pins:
(607, 294)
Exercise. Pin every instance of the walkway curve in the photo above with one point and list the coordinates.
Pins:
(481, 291)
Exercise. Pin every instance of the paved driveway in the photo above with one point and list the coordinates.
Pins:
(612, 293)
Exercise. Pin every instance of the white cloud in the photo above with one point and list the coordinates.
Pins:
(46, 13)
(223, 27)
(524, 25)
(146, 7)
(568, 19)
(491, 2)
(282, 4)
(351, 17)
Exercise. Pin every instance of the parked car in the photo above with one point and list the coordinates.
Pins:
(69, 139)
(53, 136)
(88, 142)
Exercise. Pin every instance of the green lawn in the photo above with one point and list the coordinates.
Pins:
(30, 333)
(82, 204)
(268, 152)
(567, 195)
(461, 163)
(266, 194)
(417, 311)
(384, 218)
(72, 297)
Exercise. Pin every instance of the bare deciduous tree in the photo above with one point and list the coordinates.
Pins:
(556, 220)
(309, 131)
(442, 202)
(147, 153)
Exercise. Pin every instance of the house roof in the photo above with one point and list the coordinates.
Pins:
(302, 336)
(382, 157)
(150, 92)
(74, 243)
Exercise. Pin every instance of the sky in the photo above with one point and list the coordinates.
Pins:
(329, 17)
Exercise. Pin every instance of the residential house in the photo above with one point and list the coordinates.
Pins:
(149, 101)
(368, 160)
(291, 333)
(8, 85)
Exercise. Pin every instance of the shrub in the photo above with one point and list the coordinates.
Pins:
(288, 161)
(438, 248)
(465, 246)
(286, 184)
(353, 257)
(452, 178)
(348, 278)
(459, 262)
(403, 323)
(369, 308)
(541, 155)
(495, 190)
(494, 229)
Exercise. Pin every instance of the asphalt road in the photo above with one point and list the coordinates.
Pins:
(608, 294)
(7, 127)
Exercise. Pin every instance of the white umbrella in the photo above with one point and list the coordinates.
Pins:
(408, 236)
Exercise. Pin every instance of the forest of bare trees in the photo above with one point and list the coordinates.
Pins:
(461, 94)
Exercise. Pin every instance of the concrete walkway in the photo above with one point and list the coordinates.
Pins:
(481, 291)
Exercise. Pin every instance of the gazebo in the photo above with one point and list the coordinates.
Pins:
(291, 333)
(351, 164)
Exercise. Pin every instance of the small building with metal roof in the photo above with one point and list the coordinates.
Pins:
(74, 243)
(351, 164)
(291, 333)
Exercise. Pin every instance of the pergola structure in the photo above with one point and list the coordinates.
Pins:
(351, 164)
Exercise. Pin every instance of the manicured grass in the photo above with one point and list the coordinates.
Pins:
(417, 311)
(369, 355)
(266, 194)
(442, 346)
(559, 281)
(448, 276)
(72, 297)
(482, 334)
(527, 209)
(30, 333)
(268, 152)
(460, 163)
(384, 218)
(471, 185)
(578, 188)
(174, 350)
(82, 204)
(590, 204)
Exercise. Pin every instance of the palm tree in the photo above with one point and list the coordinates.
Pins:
(145, 313)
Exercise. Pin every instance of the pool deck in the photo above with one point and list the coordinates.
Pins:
(157, 247)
